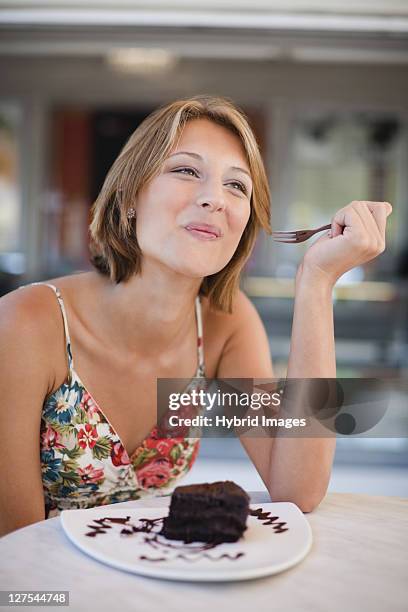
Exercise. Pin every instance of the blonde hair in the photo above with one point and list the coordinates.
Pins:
(113, 244)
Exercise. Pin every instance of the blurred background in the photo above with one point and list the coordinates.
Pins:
(325, 86)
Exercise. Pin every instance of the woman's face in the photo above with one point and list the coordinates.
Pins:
(191, 216)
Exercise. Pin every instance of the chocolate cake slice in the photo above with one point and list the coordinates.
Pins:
(215, 512)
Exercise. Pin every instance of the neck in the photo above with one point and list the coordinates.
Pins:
(152, 312)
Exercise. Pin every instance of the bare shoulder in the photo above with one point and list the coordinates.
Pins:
(243, 313)
(24, 309)
(30, 318)
(243, 308)
(245, 346)
(235, 343)
(35, 305)
(29, 309)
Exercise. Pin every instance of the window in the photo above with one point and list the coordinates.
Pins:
(11, 260)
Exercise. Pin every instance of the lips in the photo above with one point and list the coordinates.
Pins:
(206, 230)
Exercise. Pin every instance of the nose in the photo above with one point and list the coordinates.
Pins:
(211, 200)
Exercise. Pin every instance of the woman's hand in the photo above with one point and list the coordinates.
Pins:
(357, 235)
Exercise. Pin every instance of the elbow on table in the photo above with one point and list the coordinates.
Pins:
(308, 505)
(305, 504)
(9, 524)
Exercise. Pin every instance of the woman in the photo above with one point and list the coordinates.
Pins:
(175, 222)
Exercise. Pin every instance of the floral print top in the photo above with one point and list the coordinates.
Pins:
(84, 462)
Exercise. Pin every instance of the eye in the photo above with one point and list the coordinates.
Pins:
(188, 171)
(241, 186)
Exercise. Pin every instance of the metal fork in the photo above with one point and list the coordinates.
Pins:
(297, 235)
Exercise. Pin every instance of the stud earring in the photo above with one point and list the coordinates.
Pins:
(131, 213)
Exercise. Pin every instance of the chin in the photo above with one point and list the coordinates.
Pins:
(194, 269)
(197, 271)
(192, 264)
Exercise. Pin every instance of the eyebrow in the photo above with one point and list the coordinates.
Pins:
(197, 156)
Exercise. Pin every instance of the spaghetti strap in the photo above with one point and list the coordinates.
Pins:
(200, 345)
(65, 320)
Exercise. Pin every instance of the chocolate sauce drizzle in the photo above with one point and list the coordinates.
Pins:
(102, 525)
(188, 552)
(193, 559)
(267, 519)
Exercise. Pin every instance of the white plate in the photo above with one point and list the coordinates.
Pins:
(267, 546)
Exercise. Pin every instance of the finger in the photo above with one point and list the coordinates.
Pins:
(345, 219)
(380, 212)
(367, 216)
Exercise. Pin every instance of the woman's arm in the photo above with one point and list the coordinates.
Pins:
(25, 379)
(298, 468)
(292, 469)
